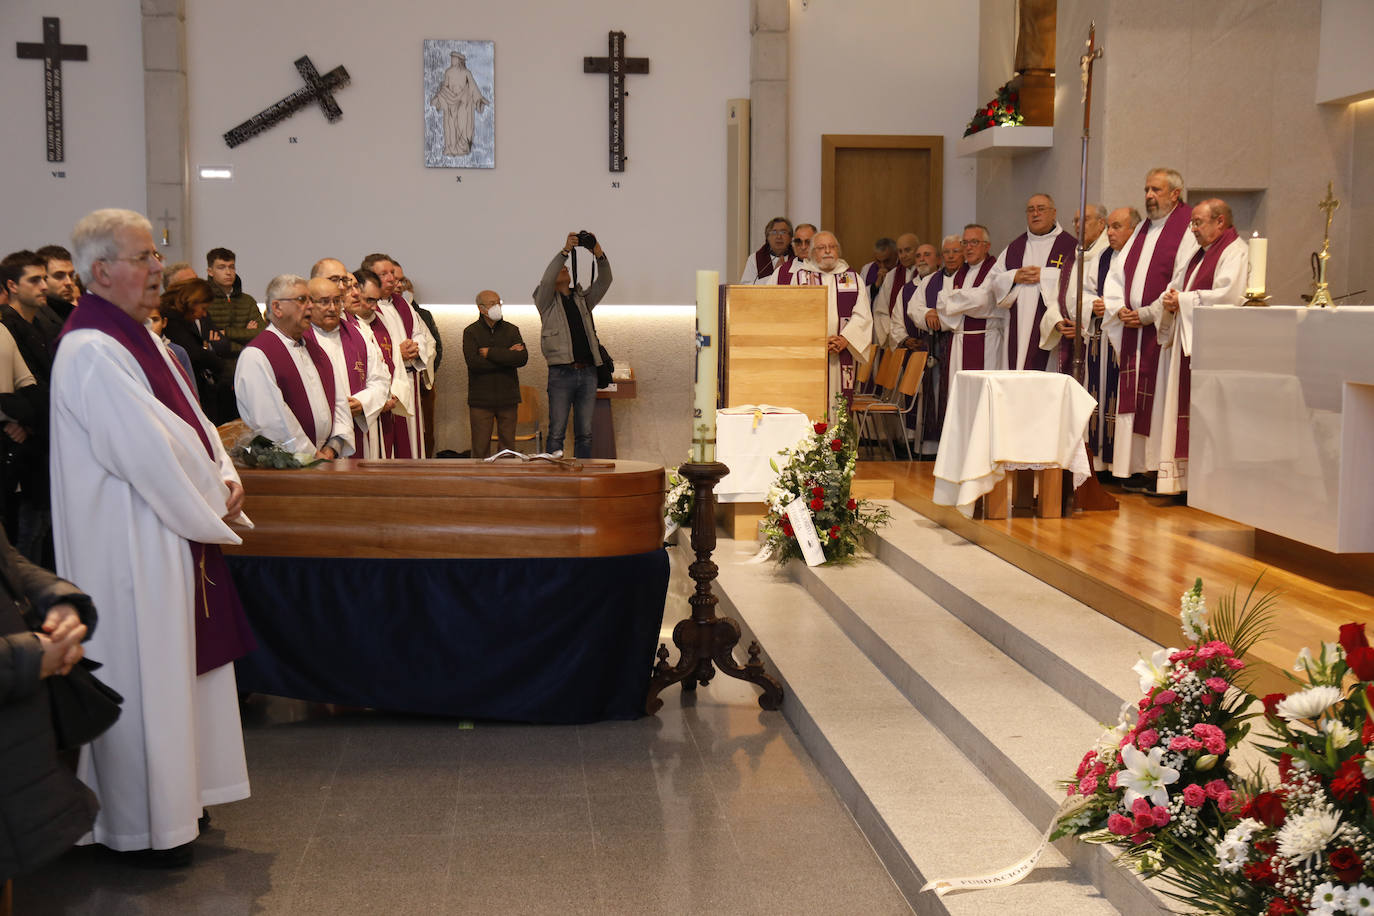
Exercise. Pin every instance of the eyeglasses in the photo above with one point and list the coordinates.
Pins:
(330, 300)
(371, 300)
(301, 300)
(800, 241)
(1039, 209)
(345, 281)
(1195, 222)
(147, 258)
(779, 231)
(975, 242)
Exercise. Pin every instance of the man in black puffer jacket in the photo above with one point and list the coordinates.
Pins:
(44, 808)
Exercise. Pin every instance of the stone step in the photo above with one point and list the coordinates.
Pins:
(928, 811)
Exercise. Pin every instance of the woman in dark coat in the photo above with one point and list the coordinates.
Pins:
(182, 306)
(44, 808)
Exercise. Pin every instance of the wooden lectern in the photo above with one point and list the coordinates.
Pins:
(774, 348)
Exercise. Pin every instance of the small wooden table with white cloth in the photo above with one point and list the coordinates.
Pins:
(747, 439)
(1004, 420)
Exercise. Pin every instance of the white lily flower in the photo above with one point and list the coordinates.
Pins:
(1145, 776)
(1154, 672)
(1340, 734)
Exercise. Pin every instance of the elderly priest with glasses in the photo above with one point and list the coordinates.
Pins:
(285, 383)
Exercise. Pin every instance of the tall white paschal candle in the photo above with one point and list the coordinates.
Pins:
(1259, 254)
(708, 346)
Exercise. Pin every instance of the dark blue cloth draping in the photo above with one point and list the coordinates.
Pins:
(531, 640)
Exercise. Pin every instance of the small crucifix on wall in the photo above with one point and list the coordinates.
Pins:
(617, 65)
(51, 51)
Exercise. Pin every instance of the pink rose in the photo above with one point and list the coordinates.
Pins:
(1144, 821)
(1160, 815)
(1216, 788)
(1194, 796)
(1140, 806)
(1217, 684)
(1165, 697)
(1208, 699)
(1234, 664)
(1111, 782)
(1119, 825)
(1140, 838)
(1184, 743)
(1147, 739)
(1087, 785)
(1227, 801)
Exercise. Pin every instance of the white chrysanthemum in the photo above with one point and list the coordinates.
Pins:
(1327, 899)
(1154, 672)
(1367, 764)
(1359, 900)
(1234, 849)
(1193, 613)
(1145, 776)
(1340, 734)
(1309, 703)
(1305, 835)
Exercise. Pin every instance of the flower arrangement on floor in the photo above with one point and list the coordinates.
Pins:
(1160, 783)
(1307, 844)
(819, 470)
(678, 501)
(1005, 109)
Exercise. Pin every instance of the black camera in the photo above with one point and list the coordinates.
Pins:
(586, 240)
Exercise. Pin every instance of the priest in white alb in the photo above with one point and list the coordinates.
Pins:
(285, 385)
(413, 354)
(889, 326)
(143, 494)
(358, 366)
(849, 320)
(1058, 323)
(776, 248)
(1158, 249)
(1214, 275)
(1027, 283)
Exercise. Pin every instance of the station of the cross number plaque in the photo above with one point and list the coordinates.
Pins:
(616, 65)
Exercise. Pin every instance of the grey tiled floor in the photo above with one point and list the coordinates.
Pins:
(710, 807)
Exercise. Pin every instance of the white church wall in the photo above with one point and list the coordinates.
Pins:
(103, 102)
(880, 67)
(1345, 68)
(360, 184)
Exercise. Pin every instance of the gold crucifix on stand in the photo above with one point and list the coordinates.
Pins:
(1321, 297)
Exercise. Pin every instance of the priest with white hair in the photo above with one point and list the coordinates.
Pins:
(849, 319)
(143, 494)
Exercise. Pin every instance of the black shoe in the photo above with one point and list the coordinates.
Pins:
(203, 822)
(176, 857)
(1139, 483)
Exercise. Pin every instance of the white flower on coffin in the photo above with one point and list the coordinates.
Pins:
(1145, 776)
(1309, 703)
(1305, 835)
(1193, 613)
(1340, 734)
(1234, 848)
(1154, 672)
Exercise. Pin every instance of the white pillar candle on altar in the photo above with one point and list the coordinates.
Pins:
(704, 391)
(1259, 254)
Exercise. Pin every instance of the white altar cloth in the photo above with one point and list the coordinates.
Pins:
(1283, 421)
(746, 448)
(1004, 420)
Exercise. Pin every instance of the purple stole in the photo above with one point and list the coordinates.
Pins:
(385, 422)
(1062, 253)
(1137, 392)
(400, 425)
(1201, 274)
(222, 631)
(1100, 440)
(898, 284)
(845, 300)
(289, 378)
(785, 272)
(870, 276)
(763, 262)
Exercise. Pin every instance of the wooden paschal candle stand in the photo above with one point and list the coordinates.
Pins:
(705, 641)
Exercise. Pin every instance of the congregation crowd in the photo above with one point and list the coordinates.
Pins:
(969, 309)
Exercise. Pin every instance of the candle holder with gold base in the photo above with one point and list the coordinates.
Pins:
(705, 641)
(1256, 297)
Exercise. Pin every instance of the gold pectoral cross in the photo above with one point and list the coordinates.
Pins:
(1057, 263)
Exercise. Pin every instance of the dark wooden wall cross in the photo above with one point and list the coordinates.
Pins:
(52, 52)
(617, 65)
(317, 89)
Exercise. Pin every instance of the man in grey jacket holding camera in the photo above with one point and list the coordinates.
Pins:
(568, 340)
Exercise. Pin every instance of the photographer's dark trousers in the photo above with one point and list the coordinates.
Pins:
(572, 386)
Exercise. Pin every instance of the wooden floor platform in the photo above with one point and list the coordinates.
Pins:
(1133, 564)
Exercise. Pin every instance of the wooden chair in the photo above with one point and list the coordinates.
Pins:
(863, 376)
(528, 414)
(888, 378)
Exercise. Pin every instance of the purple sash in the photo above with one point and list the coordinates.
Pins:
(870, 275)
(385, 422)
(1201, 274)
(845, 300)
(289, 378)
(898, 283)
(763, 262)
(1137, 391)
(222, 631)
(785, 272)
(1063, 251)
(403, 309)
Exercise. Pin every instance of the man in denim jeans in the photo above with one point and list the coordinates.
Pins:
(568, 340)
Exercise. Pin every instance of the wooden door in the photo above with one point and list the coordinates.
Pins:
(876, 185)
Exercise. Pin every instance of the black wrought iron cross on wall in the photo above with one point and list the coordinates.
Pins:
(51, 51)
(317, 89)
(617, 65)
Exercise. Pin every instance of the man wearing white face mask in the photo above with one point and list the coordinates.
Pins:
(494, 352)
